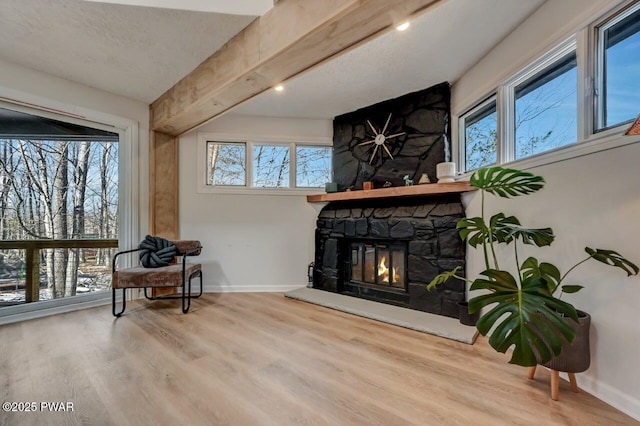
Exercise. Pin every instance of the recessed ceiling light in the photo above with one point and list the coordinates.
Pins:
(279, 88)
(403, 26)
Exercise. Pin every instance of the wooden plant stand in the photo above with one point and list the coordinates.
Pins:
(555, 381)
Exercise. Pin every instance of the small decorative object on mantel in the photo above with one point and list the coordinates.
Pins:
(407, 181)
(634, 130)
(424, 179)
(367, 185)
(387, 184)
(330, 187)
(446, 172)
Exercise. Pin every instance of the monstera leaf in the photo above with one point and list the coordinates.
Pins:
(506, 183)
(526, 318)
(502, 229)
(539, 237)
(613, 258)
(475, 231)
(443, 278)
(532, 269)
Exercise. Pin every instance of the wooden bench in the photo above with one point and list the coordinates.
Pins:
(175, 275)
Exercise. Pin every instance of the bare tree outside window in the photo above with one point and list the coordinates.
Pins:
(267, 166)
(547, 109)
(545, 117)
(313, 166)
(59, 189)
(226, 164)
(270, 166)
(481, 136)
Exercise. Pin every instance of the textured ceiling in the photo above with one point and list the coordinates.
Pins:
(439, 46)
(140, 52)
(137, 52)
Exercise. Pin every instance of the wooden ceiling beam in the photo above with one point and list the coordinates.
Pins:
(294, 36)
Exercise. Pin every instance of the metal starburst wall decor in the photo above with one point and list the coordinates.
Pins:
(380, 139)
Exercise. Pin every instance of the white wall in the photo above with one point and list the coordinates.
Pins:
(41, 90)
(591, 201)
(251, 242)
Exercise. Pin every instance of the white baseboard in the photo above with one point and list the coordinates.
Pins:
(218, 288)
(628, 404)
(620, 401)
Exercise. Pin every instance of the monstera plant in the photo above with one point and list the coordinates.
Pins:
(522, 308)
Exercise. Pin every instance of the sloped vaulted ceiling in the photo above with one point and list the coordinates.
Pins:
(440, 45)
(141, 52)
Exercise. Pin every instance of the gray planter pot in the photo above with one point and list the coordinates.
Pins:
(575, 357)
(465, 317)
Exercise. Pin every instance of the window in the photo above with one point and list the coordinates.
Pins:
(313, 166)
(537, 108)
(577, 98)
(618, 96)
(227, 165)
(546, 109)
(480, 131)
(59, 198)
(267, 165)
(271, 166)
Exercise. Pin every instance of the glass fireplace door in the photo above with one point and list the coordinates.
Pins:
(379, 264)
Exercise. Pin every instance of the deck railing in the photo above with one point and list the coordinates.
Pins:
(32, 257)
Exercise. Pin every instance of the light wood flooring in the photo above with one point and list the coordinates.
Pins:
(262, 359)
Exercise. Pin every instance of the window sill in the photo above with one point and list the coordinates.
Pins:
(300, 192)
(27, 311)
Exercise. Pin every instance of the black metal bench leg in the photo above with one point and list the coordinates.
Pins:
(113, 302)
(146, 295)
(186, 297)
(186, 292)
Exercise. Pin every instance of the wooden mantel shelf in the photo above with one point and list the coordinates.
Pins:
(394, 192)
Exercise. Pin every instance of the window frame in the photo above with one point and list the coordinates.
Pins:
(129, 206)
(206, 177)
(250, 141)
(462, 128)
(598, 67)
(590, 139)
(294, 153)
(534, 69)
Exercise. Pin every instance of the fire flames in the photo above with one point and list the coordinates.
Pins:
(383, 272)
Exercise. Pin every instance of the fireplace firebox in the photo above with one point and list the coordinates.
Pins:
(379, 265)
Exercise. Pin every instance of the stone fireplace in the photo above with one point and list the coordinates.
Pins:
(388, 248)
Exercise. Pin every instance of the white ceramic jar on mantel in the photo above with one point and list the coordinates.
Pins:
(446, 172)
